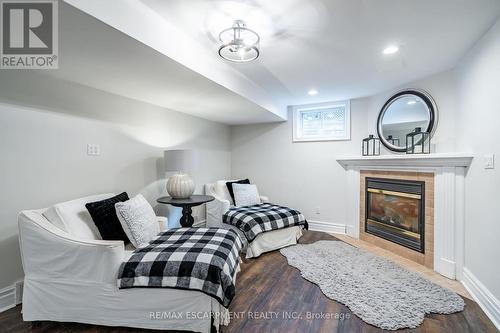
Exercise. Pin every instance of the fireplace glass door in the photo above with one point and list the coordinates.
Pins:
(395, 211)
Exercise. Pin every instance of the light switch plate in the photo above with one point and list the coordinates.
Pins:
(93, 149)
(489, 161)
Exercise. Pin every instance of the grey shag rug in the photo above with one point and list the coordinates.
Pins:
(377, 290)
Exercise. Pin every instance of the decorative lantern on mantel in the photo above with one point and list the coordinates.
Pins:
(371, 146)
(418, 142)
(393, 140)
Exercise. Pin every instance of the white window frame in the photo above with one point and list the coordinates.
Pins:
(297, 137)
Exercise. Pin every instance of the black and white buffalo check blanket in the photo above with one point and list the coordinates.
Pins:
(204, 259)
(256, 219)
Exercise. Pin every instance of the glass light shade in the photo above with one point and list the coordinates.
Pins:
(238, 43)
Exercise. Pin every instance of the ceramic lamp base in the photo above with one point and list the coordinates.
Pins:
(180, 186)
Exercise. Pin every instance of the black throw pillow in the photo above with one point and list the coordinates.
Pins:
(230, 186)
(104, 215)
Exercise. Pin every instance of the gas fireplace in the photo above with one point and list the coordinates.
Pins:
(395, 211)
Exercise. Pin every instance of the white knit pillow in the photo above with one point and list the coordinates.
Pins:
(245, 195)
(138, 220)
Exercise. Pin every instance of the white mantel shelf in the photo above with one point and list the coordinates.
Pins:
(403, 160)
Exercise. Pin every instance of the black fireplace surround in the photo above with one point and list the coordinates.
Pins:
(395, 211)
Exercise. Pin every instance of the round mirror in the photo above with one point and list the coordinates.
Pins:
(401, 114)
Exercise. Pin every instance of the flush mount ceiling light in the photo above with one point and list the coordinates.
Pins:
(312, 92)
(391, 49)
(238, 43)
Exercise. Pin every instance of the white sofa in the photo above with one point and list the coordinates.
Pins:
(71, 276)
(265, 242)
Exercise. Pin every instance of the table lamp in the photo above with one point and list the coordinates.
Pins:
(180, 161)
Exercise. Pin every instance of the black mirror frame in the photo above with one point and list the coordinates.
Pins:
(428, 100)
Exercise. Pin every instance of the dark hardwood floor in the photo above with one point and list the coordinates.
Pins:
(268, 286)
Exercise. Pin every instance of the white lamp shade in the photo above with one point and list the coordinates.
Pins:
(179, 160)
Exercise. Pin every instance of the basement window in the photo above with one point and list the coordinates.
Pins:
(322, 122)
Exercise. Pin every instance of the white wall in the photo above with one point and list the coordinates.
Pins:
(303, 175)
(443, 90)
(478, 129)
(306, 175)
(45, 125)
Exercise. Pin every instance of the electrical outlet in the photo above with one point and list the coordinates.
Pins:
(93, 149)
(489, 161)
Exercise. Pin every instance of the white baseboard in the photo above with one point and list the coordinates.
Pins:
(11, 296)
(483, 297)
(335, 228)
(445, 267)
(7, 298)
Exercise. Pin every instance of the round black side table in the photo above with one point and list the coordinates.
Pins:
(187, 219)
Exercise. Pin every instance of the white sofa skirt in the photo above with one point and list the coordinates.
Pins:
(273, 240)
(105, 304)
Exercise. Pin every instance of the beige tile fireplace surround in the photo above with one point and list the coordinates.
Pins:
(444, 177)
(426, 258)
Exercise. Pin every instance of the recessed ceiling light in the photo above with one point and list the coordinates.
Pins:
(412, 102)
(391, 49)
(312, 92)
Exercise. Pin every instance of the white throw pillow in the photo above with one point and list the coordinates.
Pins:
(222, 191)
(246, 194)
(74, 218)
(138, 220)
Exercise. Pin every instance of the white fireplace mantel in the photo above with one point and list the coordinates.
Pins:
(403, 160)
(449, 198)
